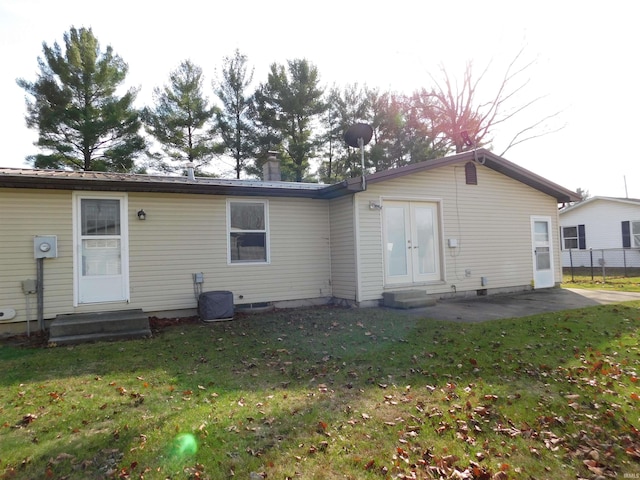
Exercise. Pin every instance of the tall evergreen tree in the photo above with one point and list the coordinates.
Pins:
(236, 128)
(82, 123)
(286, 107)
(346, 106)
(182, 121)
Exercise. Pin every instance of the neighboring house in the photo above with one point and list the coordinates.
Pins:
(472, 223)
(601, 229)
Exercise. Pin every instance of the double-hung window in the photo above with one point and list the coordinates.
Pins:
(635, 233)
(631, 234)
(573, 238)
(247, 226)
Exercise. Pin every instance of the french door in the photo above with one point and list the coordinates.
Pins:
(411, 239)
(100, 244)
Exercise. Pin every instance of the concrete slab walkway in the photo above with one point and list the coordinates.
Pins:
(521, 304)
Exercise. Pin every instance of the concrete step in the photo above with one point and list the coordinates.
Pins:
(404, 294)
(88, 327)
(406, 299)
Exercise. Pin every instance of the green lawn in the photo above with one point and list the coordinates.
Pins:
(332, 393)
(613, 279)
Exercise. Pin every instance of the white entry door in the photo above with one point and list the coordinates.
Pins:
(543, 276)
(100, 246)
(412, 251)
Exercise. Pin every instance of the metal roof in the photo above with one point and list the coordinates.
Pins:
(579, 204)
(109, 181)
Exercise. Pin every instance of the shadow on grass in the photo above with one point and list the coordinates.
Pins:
(286, 384)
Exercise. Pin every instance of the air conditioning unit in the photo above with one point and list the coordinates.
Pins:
(215, 306)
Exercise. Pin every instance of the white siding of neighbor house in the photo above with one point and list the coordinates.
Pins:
(491, 222)
(343, 258)
(602, 219)
(182, 235)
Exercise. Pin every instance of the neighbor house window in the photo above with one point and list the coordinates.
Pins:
(631, 234)
(635, 233)
(247, 226)
(573, 238)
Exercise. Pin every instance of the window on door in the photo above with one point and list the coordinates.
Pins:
(100, 231)
(247, 231)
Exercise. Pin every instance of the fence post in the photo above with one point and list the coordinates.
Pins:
(591, 261)
(571, 263)
(624, 259)
(604, 280)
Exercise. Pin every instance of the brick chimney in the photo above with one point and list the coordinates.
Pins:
(271, 168)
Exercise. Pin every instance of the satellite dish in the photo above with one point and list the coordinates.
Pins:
(357, 131)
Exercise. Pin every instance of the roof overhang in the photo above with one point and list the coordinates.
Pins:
(119, 182)
(143, 183)
(482, 157)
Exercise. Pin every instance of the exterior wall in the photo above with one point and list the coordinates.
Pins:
(343, 258)
(182, 235)
(602, 220)
(491, 222)
(24, 214)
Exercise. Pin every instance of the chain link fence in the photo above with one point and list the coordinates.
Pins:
(602, 262)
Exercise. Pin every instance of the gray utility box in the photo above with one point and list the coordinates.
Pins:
(45, 246)
(215, 306)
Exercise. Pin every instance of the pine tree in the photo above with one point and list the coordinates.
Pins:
(82, 123)
(287, 106)
(182, 121)
(236, 128)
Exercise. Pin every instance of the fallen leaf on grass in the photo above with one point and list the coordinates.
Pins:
(27, 419)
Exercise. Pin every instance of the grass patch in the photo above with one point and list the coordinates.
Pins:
(332, 394)
(613, 280)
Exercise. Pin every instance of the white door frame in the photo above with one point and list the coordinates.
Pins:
(116, 287)
(542, 252)
(417, 261)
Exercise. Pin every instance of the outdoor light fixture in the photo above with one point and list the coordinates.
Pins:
(374, 206)
(142, 215)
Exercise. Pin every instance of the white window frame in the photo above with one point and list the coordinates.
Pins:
(634, 230)
(565, 238)
(265, 204)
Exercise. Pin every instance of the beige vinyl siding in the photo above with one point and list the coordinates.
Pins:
(23, 215)
(182, 235)
(185, 234)
(343, 251)
(491, 221)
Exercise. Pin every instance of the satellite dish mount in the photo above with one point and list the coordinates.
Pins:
(357, 136)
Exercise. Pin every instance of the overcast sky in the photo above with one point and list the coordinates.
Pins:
(585, 52)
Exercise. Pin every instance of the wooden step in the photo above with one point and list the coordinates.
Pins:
(92, 327)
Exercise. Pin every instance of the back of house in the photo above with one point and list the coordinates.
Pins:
(467, 224)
